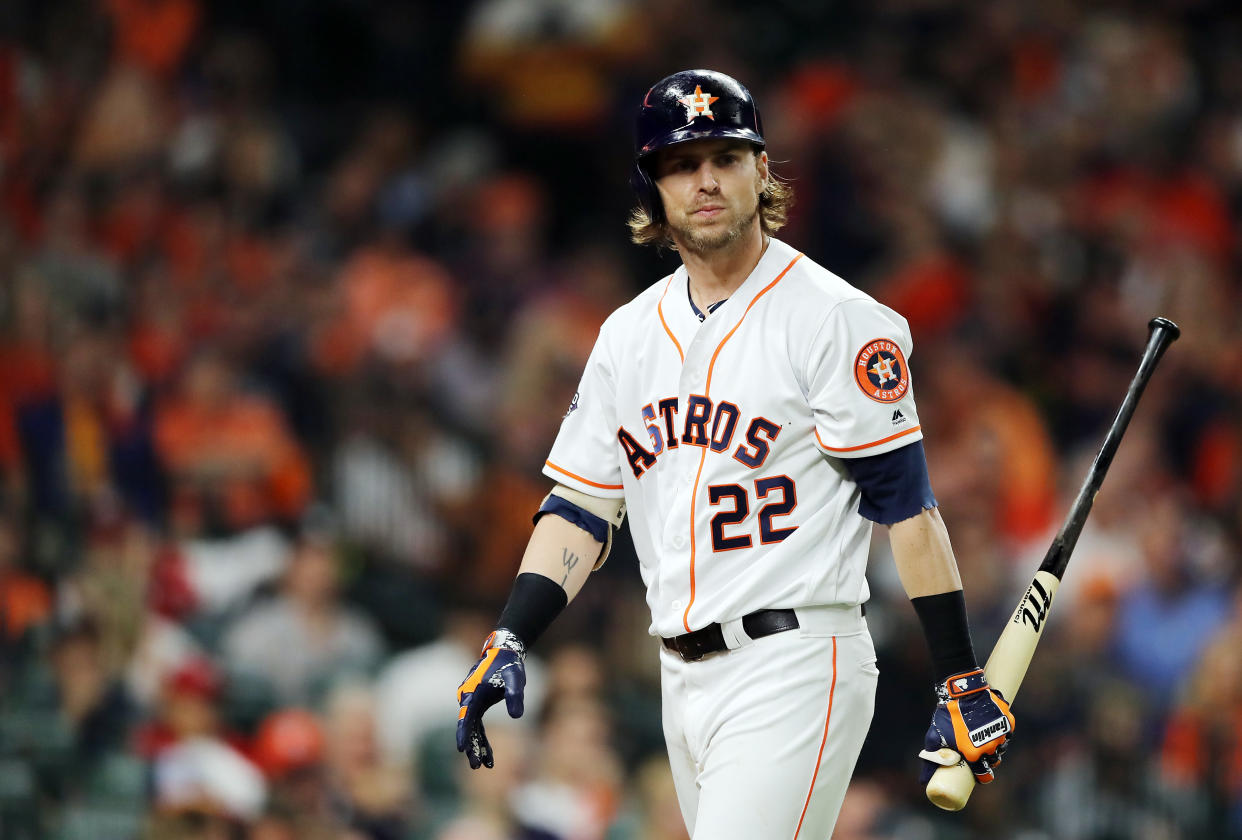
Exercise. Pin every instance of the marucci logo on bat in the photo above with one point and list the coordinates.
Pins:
(1034, 606)
(986, 733)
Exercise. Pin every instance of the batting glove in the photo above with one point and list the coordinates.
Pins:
(972, 721)
(498, 673)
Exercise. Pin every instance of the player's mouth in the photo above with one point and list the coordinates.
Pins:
(709, 211)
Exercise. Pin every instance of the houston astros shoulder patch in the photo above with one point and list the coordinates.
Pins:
(880, 371)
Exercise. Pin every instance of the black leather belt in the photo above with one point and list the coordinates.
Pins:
(694, 646)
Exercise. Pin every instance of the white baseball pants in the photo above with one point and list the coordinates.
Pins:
(763, 738)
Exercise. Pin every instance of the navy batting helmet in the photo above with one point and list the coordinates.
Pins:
(690, 105)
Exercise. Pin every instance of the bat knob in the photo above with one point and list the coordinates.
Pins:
(951, 787)
(1162, 323)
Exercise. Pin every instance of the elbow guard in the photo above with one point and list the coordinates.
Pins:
(597, 516)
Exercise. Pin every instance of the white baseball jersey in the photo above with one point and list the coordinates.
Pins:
(724, 437)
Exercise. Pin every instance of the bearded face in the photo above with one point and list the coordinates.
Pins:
(710, 190)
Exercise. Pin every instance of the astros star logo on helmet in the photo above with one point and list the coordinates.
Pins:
(699, 104)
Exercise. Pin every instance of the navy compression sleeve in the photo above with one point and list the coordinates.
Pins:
(894, 486)
(575, 515)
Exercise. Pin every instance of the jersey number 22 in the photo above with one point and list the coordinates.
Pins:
(784, 500)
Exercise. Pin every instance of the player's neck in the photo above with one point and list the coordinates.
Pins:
(717, 274)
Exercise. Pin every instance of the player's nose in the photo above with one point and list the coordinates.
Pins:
(706, 176)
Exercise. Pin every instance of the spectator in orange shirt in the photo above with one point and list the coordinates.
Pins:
(231, 459)
(24, 599)
(396, 306)
(153, 34)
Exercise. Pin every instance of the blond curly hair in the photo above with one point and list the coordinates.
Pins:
(774, 204)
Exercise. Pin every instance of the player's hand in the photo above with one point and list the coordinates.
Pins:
(498, 673)
(971, 721)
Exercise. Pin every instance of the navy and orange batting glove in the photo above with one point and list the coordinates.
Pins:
(498, 673)
(972, 721)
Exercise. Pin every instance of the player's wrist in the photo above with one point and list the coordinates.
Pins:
(947, 631)
(504, 639)
(960, 685)
(534, 603)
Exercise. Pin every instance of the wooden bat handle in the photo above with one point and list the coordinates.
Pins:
(950, 787)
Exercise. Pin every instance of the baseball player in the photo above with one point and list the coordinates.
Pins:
(754, 414)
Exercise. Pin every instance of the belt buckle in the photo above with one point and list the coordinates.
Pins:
(686, 653)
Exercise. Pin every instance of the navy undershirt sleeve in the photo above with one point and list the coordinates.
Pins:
(584, 519)
(894, 486)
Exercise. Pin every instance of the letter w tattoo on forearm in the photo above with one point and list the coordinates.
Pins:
(568, 560)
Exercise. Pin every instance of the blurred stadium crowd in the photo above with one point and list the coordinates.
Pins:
(294, 295)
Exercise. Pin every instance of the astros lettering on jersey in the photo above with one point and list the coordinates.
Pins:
(715, 432)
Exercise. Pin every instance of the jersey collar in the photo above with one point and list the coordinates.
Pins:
(774, 260)
(682, 322)
(699, 313)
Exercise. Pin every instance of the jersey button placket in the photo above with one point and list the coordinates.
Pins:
(693, 380)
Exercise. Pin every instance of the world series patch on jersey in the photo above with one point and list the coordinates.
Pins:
(724, 435)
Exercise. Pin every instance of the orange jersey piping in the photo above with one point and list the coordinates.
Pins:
(823, 742)
(685, 617)
(909, 431)
(583, 480)
(660, 312)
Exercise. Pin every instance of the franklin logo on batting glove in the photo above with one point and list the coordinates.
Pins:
(972, 722)
(986, 733)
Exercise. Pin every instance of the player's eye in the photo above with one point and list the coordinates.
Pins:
(726, 159)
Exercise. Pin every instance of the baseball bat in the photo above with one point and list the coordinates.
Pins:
(950, 787)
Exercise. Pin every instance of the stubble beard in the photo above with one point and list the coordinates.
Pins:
(703, 242)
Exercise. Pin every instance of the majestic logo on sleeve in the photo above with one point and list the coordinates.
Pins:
(698, 104)
(880, 371)
(573, 405)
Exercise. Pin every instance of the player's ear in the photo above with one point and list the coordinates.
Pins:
(761, 167)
